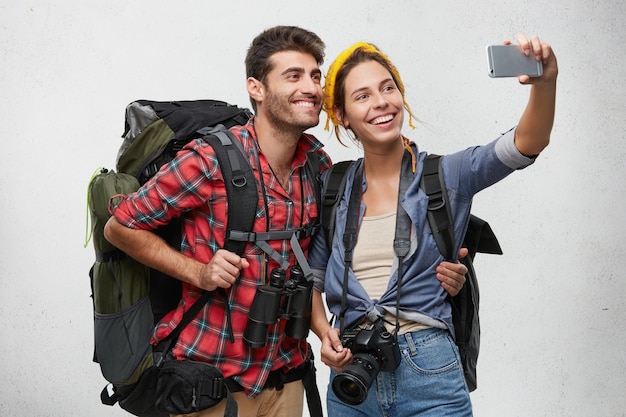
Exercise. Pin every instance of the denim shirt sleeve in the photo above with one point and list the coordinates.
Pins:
(319, 254)
(509, 155)
(472, 170)
(318, 259)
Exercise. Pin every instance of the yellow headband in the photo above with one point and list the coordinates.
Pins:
(329, 84)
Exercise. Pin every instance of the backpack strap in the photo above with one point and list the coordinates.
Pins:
(162, 349)
(237, 175)
(332, 191)
(242, 195)
(350, 236)
(240, 183)
(438, 206)
(479, 236)
(465, 304)
(313, 173)
(240, 232)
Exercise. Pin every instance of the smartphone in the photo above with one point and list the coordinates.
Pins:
(510, 61)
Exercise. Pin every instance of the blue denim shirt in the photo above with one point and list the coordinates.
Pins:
(422, 298)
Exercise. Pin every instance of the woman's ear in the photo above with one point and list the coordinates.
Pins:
(343, 122)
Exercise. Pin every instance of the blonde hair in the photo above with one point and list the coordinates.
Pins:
(338, 71)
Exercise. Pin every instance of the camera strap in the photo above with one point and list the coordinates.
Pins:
(402, 239)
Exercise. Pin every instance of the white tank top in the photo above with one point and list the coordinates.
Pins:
(372, 261)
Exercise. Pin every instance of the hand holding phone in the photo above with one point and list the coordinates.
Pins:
(510, 61)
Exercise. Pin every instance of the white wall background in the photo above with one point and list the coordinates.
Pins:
(552, 307)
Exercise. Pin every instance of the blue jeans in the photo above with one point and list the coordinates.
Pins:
(428, 382)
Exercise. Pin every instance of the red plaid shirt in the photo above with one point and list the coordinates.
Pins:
(192, 186)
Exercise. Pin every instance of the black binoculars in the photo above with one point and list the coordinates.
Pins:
(281, 298)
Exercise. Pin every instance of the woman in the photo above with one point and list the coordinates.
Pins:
(419, 371)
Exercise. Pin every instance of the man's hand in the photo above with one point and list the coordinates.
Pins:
(452, 275)
(222, 271)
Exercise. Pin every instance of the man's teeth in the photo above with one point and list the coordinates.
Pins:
(305, 104)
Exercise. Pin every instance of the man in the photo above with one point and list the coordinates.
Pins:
(284, 84)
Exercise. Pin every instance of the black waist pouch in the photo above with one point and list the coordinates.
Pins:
(188, 386)
(139, 398)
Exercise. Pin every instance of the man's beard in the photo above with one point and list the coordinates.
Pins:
(282, 114)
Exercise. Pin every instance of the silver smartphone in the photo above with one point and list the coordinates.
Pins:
(510, 61)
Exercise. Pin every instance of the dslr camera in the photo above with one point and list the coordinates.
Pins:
(280, 299)
(374, 349)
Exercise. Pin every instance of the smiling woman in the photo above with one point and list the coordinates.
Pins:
(373, 106)
(412, 316)
(334, 88)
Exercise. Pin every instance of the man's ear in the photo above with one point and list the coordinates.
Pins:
(255, 88)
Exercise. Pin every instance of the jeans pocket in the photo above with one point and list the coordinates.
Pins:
(433, 354)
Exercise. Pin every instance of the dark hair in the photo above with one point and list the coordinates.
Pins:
(357, 57)
(278, 39)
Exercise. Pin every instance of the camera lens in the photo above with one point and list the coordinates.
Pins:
(351, 388)
(352, 384)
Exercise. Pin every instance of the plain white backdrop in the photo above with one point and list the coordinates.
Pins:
(552, 308)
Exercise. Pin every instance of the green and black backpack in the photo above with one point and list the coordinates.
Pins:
(128, 297)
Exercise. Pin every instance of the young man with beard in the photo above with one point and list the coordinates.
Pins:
(284, 84)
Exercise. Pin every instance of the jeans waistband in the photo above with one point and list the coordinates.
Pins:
(411, 339)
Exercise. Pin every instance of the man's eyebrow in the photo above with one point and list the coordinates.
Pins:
(299, 70)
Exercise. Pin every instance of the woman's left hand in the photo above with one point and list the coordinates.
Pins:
(543, 52)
